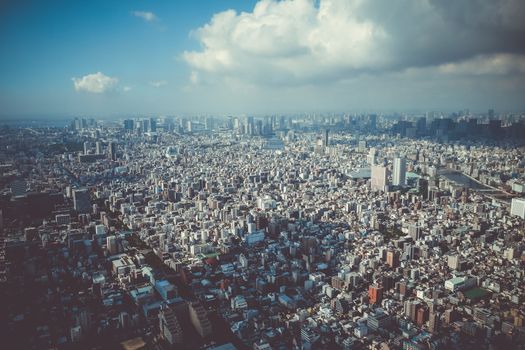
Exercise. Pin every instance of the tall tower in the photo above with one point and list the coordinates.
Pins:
(325, 138)
(379, 178)
(112, 147)
(400, 170)
(153, 124)
(82, 200)
(372, 156)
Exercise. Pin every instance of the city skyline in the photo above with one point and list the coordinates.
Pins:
(243, 57)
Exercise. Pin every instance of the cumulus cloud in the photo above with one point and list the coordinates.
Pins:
(96, 83)
(145, 15)
(158, 83)
(305, 41)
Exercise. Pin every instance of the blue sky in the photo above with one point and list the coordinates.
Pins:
(116, 58)
(45, 44)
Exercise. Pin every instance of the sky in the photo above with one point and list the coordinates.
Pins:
(238, 57)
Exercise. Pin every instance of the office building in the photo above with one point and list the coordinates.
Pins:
(170, 328)
(379, 179)
(392, 258)
(518, 207)
(199, 319)
(378, 319)
(153, 124)
(129, 125)
(82, 200)
(112, 148)
(400, 168)
(375, 294)
(362, 145)
(112, 245)
(372, 157)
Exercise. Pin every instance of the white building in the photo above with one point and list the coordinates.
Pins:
(379, 178)
(400, 170)
(518, 207)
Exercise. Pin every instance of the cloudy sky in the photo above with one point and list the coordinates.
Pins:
(108, 58)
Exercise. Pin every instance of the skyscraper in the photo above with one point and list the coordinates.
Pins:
(129, 125)
(379, 178)
(400, 169)
(81, 200)
(153, 124)
(375, 294)
(112, 147)
(326, 140)
(392, 258)
(518, 207)
(372, 156)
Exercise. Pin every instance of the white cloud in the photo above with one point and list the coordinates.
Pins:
(127, 88)
(96, 83)
(158, 83)
(145, 15)
(298, 42)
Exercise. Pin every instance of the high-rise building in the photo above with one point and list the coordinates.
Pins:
(250, 126)
(112, 245)
(453, 262)
(153, 124)
(326, 140)
(375, 294)
(82, 200)
(433, 322)
(112, 148)
(129, 125)
(199, 319)
(414, 231)
(86, 147)
(145, 125)
(98, 147)
(400, 169)
(208, 123)
(169, 326)
(373, 121)
(362, 145)
(372, 156)
(392, 258)
(421, 316)
(518, 207)
(379, 180)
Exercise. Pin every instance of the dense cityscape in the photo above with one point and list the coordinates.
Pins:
(262, 175)
(335, 231)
